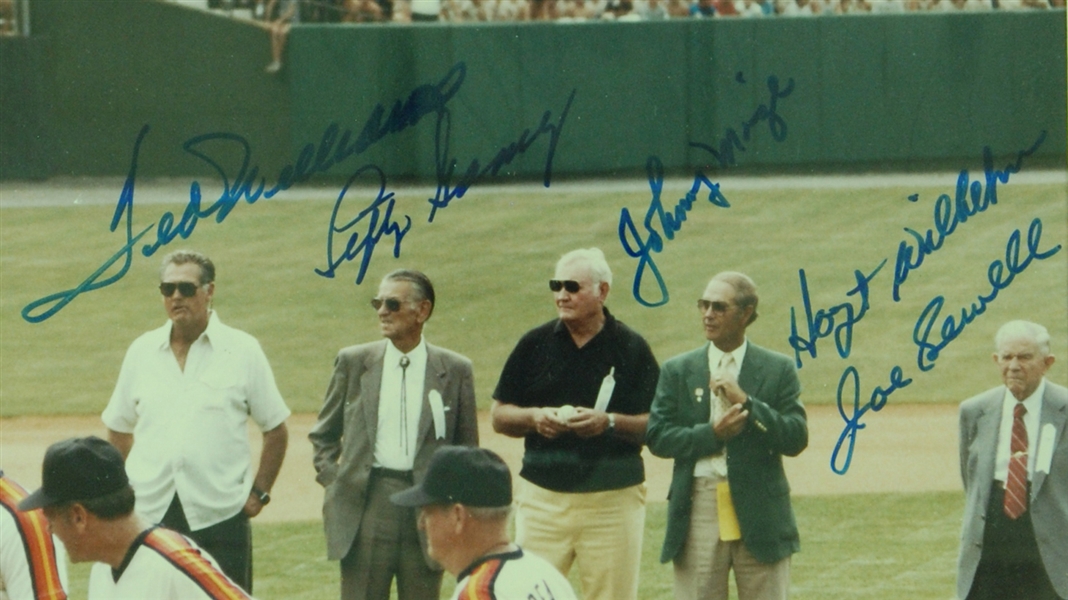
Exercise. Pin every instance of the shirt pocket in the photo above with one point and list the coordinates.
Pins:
(223, 387)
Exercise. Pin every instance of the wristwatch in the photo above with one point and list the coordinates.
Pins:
(611, 422)
(261, 495)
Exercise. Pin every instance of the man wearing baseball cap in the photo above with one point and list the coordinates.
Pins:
(465, 501)
(89, 505)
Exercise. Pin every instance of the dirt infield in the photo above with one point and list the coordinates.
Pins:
(887, 453)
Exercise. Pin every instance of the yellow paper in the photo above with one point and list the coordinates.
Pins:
(728, 519)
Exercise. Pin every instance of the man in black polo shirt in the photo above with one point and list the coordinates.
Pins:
(578, 389)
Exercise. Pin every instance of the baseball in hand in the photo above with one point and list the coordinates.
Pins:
(565, 412)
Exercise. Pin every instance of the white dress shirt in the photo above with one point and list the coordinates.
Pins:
(716, 465)
(396, 438)
(1033, 404)
(190, 426)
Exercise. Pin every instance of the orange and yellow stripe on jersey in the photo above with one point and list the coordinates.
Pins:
(37, 541)
(479, 584)
(179, 552)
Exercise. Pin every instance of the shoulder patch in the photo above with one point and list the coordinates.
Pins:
(37, 542)
(479, 584)
(178, 551)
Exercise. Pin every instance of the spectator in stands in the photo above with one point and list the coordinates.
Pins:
(703, 9)
(279, 29)
(749, 8)
(474, 10)
(678, 9)
(851, 7)
(802, 8)
(724, 8)
(653, 10)
(426, 11)
(510, 10)
(363, 11)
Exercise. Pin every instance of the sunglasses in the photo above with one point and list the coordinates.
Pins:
(571, 286)
(392, 304)
(185, 288)
(717, 307)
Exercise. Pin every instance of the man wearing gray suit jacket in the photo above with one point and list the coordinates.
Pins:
(727, 413)
(389, 405)
(1014, 463)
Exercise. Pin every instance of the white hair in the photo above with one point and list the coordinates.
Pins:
(593, 259)
(1023, 329)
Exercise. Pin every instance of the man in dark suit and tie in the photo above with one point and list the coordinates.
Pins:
(1014, 462)
(727, 413)
(389, 405)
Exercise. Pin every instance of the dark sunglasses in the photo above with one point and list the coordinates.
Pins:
(185, 288)
(572, 287)
(392, 304)
(717, 307)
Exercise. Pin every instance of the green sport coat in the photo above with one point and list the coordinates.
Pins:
(679, 428)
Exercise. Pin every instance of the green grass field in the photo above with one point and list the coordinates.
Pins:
(869, 547)
(490, 255)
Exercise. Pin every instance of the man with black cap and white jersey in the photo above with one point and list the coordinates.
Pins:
(88, 501)
(465, 501)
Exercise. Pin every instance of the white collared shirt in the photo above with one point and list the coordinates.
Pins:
(395, 441)
(190, 426)
(716, 465)
(1033, 404)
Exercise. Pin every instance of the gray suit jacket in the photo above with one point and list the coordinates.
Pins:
(344, 436)
(980, 419)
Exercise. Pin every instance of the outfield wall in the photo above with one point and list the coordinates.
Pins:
(884, 91)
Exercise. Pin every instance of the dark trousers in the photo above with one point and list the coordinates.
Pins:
(1010, 567)
(228, 542)
(387, 546)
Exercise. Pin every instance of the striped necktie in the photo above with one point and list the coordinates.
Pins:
(1016, 482)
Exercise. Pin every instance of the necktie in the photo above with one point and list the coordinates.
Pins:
(721, 404)
(1016, 482)
(404, 362)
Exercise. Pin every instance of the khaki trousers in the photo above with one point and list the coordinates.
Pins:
(703, 566)
(601, 531)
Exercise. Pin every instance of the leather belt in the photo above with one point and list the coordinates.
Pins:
(405, 476)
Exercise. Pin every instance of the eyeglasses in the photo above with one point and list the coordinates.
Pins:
(717, 307)
(571, 286)
(392, 304)
(185, 288)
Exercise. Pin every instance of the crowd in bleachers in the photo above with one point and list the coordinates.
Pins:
(622, 10)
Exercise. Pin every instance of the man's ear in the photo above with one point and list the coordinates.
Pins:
(78, 516)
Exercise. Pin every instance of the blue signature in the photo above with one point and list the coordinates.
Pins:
(334, 146)
(671, 223)
(823, 323)
(379, 222)
(93, 282)
(731, 141)
(948, 213)
(876, 401)
(1000, 274)
(446, 166)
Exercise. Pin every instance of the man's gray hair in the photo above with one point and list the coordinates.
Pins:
(182, 257)
(593, 259)
(490, 513)
(745, 291)
(1025, 329)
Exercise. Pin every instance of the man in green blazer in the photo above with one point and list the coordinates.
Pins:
(727, 413)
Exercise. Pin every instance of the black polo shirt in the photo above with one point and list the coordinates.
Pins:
(547, 369)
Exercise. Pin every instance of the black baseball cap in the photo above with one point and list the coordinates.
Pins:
(461, 475)
(78, 469)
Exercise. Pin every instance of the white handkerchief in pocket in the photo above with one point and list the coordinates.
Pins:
(1045, 449)
(437, 409)
(604, 395)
